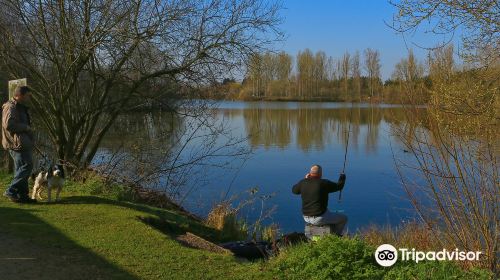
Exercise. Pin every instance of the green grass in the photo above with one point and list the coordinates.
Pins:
(125, 240)
(112, 235)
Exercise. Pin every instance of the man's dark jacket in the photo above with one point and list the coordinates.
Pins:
(314, 192)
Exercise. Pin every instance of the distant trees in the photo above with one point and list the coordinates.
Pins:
(410, 73)
(268, 71)
(313, 76)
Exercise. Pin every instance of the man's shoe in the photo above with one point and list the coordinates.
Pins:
(27, 200)
(12, 197)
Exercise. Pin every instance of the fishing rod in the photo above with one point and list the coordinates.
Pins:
(347, 145)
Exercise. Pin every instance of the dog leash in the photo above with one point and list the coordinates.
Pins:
(43, 155)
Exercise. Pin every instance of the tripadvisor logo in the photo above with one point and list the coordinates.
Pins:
(387, 255)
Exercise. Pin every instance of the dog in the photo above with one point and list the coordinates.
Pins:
(53, 179)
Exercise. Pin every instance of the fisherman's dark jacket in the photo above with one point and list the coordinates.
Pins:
(314, 192)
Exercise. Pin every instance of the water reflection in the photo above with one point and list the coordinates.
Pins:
(314, 128)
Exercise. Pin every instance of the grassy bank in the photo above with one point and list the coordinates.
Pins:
(92, 232)
(115, 239)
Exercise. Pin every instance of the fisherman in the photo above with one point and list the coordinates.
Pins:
(314, 192)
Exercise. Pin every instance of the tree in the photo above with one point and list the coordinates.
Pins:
(372, 66)
(255, 74)
(89, 61)
(330, 69)
(456, 152)
(441, 63)
(319, 71)
(345, 65)
(408, 69)
(269, 71)
(284, 64)
(410, 73)
(478, 20)
(356, 75)
(305, 70)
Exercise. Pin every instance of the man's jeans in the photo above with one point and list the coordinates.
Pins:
(23, 165)
(337, 220)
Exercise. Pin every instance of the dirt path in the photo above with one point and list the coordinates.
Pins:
(20, 259)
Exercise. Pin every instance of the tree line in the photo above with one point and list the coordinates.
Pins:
(316, 76)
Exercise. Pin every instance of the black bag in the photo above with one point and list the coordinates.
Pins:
(249, 250)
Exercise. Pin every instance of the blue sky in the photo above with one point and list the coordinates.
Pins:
(336, 26)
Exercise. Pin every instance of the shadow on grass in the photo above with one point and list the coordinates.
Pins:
(52, 256)
(169, 222)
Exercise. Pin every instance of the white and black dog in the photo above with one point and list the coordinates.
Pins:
(52, 179)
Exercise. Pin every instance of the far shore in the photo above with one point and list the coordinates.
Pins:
(318, 99)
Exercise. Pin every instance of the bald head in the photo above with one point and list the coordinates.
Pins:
(316, 170)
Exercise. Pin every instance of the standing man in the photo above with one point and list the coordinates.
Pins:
(314, 192)
(17, 138)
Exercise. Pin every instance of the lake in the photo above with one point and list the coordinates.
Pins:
(285, 139)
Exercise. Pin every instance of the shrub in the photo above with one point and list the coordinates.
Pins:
(332, 257)
(223, 218)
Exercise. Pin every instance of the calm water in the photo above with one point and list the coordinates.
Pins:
(286, 138)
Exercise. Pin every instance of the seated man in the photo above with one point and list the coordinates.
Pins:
(314, 192)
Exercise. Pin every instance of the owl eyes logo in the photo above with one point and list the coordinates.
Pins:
(386, 255)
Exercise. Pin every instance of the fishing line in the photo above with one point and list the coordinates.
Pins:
(347, 145)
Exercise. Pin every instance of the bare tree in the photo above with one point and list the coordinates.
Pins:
(284, 66)
(90, 61)
(175, 153)
(319, 71)
(255, 74)
(372, 66)
(441, 63)
(305, 69)
(345, 65)
(453, 182)
(478, 19)
(284, 62)
(356, 75)
(410, 72)
(456, 147)
(331, 70)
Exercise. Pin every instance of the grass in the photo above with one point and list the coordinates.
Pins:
(105, 237)
(112, 235)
